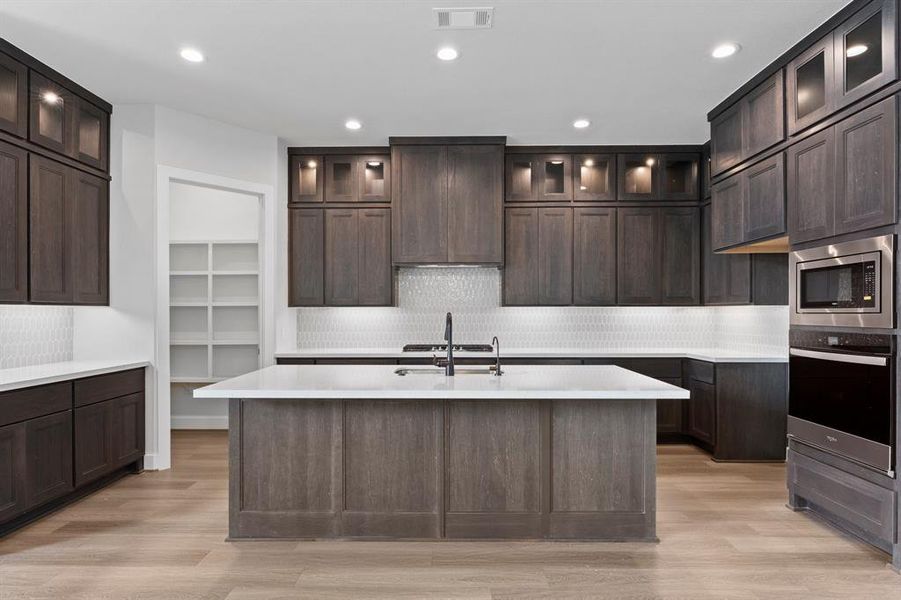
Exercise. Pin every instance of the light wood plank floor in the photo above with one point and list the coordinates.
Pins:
(725, 534)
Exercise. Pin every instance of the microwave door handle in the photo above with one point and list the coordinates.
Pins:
(858, 359)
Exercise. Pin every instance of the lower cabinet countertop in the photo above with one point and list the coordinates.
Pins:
(518, 382)
(706, 354)
(22, 377)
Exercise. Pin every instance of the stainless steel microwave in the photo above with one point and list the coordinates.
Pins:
(844, 285)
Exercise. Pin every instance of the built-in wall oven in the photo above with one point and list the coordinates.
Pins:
(844, 285)
(841, 394)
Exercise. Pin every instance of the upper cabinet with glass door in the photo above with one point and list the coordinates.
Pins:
(305, 179)
(539, 177)
(595, 177)
(13, 96)
(357, 178)
(638, 179)
(857, 58)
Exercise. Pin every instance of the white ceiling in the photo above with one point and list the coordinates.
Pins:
(639, 69)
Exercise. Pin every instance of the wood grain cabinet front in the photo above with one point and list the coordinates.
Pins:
(13, 467)
(13, 96)
(49, 447)
(358, 257)
(594, 256)
(52, 111)
(306, 257)
(865, 52)
(305, 179)
(13, 223)
(539, 256)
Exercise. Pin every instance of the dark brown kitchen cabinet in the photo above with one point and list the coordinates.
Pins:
(680, 243)
(866, 157)
(811, 85)
(538, 263)
(594, 177)
(727, 277)
(357, 178)
(306, 258)
(358, 257)
(555, 177)
(865, 52)
(726, 139)
(678, 174)
(91, 133)
(594, 256)
(637, 177)
(475, 227)
(49, 447)
(521, 178)
(93, 427)
(728, 213)
(13, 223)
(374, 175)
(53, 113)
(341, 179)
(763, 199)
(127, 429)
(843, 179)
(638, 256)
(448, 204)
(13, 97)
(69, 235)
(420, 204)
(13, 469)
(670, 411)
(702, 411)
(305, 179)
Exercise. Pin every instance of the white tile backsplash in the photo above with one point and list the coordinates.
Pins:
(34, 335)
(474, 297)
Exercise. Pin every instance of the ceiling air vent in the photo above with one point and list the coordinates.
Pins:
(463, 18)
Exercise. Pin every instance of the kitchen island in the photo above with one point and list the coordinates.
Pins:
(550, 452)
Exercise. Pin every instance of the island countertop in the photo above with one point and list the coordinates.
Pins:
(518, 382)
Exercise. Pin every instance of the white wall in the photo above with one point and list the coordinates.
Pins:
(143, 138)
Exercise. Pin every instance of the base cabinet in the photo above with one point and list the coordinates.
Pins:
(13, 465)
(49, 447)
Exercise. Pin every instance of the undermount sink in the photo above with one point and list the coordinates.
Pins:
(404, 371)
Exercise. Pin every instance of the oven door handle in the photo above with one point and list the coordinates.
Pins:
(858, 359)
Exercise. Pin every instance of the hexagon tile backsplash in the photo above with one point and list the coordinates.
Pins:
(474, 296)
(34, 335)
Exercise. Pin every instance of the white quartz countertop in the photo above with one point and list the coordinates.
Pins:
(709, 355)
(22, 377)
(380, 381)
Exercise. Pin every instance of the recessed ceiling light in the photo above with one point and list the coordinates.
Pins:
(581, 123)
(725, 50)
(856, 50)
(192, 55)
(448, 53)
(353, 124)
(50, 97)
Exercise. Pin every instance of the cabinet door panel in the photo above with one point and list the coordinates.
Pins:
(764, 199)
(13, 223)
(13, 97)
(555, 177)
(764, 116)
(305, 179)
(93, 441)
(49, 443)
(637, 177)
(595, 177)
(342, 257)
(374, 173)
(702, 411)
(727, 277)
(594, 260)
(127, 429)
(678, 176)
(810, 86)
(90, 239)
(728, 215)
(50, 217)
(669, 411)
(13, 468)
(341, 179)
(52, 115)
(306, 243)
(91, 132)
(811, 187)
(726, 139)
(521, 178)
(521, 257)
(420, 195)
(866, 161)
(475, 200)
(865, 52)
(376, 282)
(638, 256)
(555, 256)
(680, 234)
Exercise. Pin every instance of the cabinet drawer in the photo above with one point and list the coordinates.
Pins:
(859, 502)
(659, 368)
(700, 370)
(106, 387)
(33, 402)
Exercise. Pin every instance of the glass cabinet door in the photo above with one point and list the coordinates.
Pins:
(637, 177)
(555, 177)
(679, 176)
(305, 183)
(374, 173)
(865, 52)
(521, 178)
(341, 179)
(13, 96)
(810, 85)
(594, 177)
(51, 115)
(91, 134)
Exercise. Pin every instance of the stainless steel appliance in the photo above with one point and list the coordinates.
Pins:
(844, 285)
(841, 394)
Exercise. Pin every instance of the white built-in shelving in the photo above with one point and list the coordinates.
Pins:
(214, 309)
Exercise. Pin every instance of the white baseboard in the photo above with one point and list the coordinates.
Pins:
(199, 422)
(152, 463)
